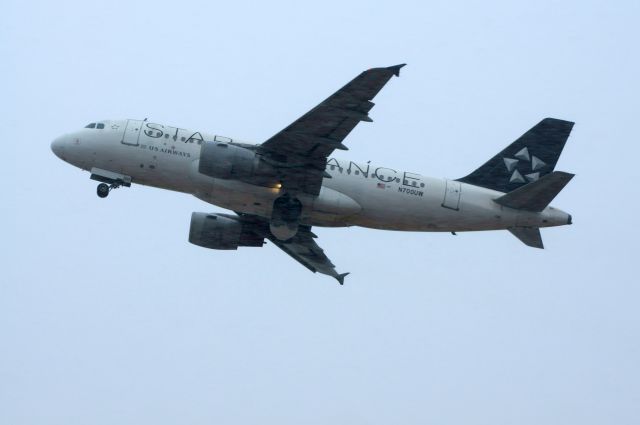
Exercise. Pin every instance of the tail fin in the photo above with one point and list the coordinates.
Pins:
(536, 195)
(529, 158)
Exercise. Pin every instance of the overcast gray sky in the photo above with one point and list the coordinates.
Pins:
(109, 316)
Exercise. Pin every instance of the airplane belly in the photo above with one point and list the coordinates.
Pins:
(441, 206)
(331, 208)
(394, 206)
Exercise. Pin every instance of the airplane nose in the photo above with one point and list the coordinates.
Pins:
(57, 146)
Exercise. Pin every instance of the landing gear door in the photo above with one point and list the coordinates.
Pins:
(132, 132)
(452, 195)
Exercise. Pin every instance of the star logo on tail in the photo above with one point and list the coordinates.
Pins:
(525, 158)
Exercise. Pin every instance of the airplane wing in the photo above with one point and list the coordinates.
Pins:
(306, 251)
(300, 151)
(302, 247)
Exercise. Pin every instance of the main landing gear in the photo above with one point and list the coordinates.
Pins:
(285, 217)
(104, 189)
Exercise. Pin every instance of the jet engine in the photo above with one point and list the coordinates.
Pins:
(228, 161)
(222, 231)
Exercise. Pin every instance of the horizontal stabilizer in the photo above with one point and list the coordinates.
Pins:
(528, 235)
(536, 195)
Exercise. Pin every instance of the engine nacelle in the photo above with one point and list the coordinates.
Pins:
(228, 161)
(221, 231)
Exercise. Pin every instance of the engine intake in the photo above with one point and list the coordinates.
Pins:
(221, 231)
(228, 161)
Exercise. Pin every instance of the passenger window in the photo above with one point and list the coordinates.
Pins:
(182, 138)
(166, 136)
(92, 125)
(100, 126)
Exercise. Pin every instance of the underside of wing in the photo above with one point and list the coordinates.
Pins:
(300, 151)
(302, 247)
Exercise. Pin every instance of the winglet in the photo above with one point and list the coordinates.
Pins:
(396, 69)
(340, 278)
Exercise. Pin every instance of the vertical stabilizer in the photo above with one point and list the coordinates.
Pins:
(529, 158)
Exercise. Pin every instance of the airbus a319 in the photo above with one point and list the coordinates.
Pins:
(279, 189)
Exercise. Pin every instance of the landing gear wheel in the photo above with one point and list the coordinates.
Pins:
(103, 190)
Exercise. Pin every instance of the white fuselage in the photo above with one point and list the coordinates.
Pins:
(356, 194)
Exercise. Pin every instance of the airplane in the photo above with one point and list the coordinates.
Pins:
(280, 189)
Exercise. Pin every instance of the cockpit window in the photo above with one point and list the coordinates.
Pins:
(99, 125)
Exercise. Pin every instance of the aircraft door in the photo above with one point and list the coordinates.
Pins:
(452, 195)
(132, 132)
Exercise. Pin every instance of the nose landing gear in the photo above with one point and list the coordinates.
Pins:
(110, 180)
(104, 189)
